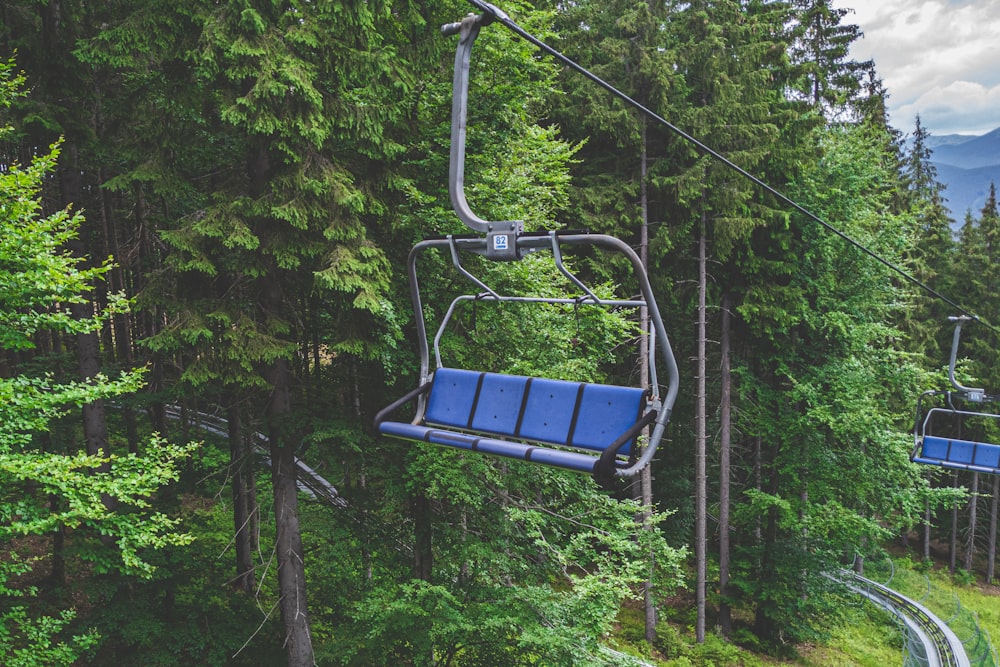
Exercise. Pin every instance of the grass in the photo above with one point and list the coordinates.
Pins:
(864, 636)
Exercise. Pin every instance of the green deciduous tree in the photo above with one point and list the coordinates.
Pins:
(49, 486)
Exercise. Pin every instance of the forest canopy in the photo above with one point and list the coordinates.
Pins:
(207, 210)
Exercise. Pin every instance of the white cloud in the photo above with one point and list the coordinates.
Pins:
(937, 58)
(964, 107)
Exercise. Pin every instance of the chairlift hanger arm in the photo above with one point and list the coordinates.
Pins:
(468, 30)
(974, 394)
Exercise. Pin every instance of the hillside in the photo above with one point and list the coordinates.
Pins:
(966, 188)
(976, 152)
(966, 166)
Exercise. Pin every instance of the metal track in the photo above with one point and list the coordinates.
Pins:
(930, 642)
(308, 480)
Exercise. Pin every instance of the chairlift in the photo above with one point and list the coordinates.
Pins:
(945, 416)
(584, 427)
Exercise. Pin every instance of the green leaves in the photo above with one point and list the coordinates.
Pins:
(39, 277)
(100, 501)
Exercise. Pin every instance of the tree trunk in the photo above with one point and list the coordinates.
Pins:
(58, 573)
(927, 530)
(700, 487)
(291, 564)
(88, 344)
(288, 538)
(992, 548)
(241, 464)
(953, 542)
(763, 624)
(423, 556)
(758, 457)
(859, 564)
(120, 322)
(88, 354)
(970, 545)
(725, 440)
(646, 477)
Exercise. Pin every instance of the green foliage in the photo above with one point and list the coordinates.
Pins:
(831, 405)
(186, 613)
(546, 599)
(30, 641)
(275, 163)
(39, 277)
(44, 491)
(963, 577)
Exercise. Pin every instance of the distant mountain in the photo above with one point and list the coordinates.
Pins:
(966, 166)
(933, 141)
(966, 188)
(976, 152)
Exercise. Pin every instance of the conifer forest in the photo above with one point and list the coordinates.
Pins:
(206, 210)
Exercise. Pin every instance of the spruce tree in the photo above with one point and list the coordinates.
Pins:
(932, 258)
(820, 48)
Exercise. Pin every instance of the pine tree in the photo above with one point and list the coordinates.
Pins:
(732, 62)
(820, 50)
(932, 258)
(976, 270)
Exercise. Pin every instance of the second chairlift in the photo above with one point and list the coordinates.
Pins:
(948, 423)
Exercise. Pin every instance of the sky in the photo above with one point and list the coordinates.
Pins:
(937, 58)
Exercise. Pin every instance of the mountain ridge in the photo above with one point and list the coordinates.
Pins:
(965, 166)
(982, 151)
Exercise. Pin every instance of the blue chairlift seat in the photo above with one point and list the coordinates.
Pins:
(571, 425)
(959, 454)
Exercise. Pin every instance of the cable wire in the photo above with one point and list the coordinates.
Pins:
(499, 15)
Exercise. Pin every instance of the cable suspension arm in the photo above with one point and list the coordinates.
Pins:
(499, 15)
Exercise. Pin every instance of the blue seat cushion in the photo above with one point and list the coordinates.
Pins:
(485, 408)
(962, 454)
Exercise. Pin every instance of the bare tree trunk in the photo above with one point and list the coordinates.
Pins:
(953, 543)
(120, 322)
(992, 548)
(57, 575)
(150, 323)
(366, 554)
(725, 446)
(927, 530)
(423, 557)
(701, 415)
(88, 344)
(241, 464)
(291, 564)
(88, 354)
(288, 538)
(758, 534)
(970, 545)
(646, 477)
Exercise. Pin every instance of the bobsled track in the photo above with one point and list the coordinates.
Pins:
(928, 640)
(310, 482)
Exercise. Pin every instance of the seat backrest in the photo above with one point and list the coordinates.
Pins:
(572, 414)
(961, 452)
